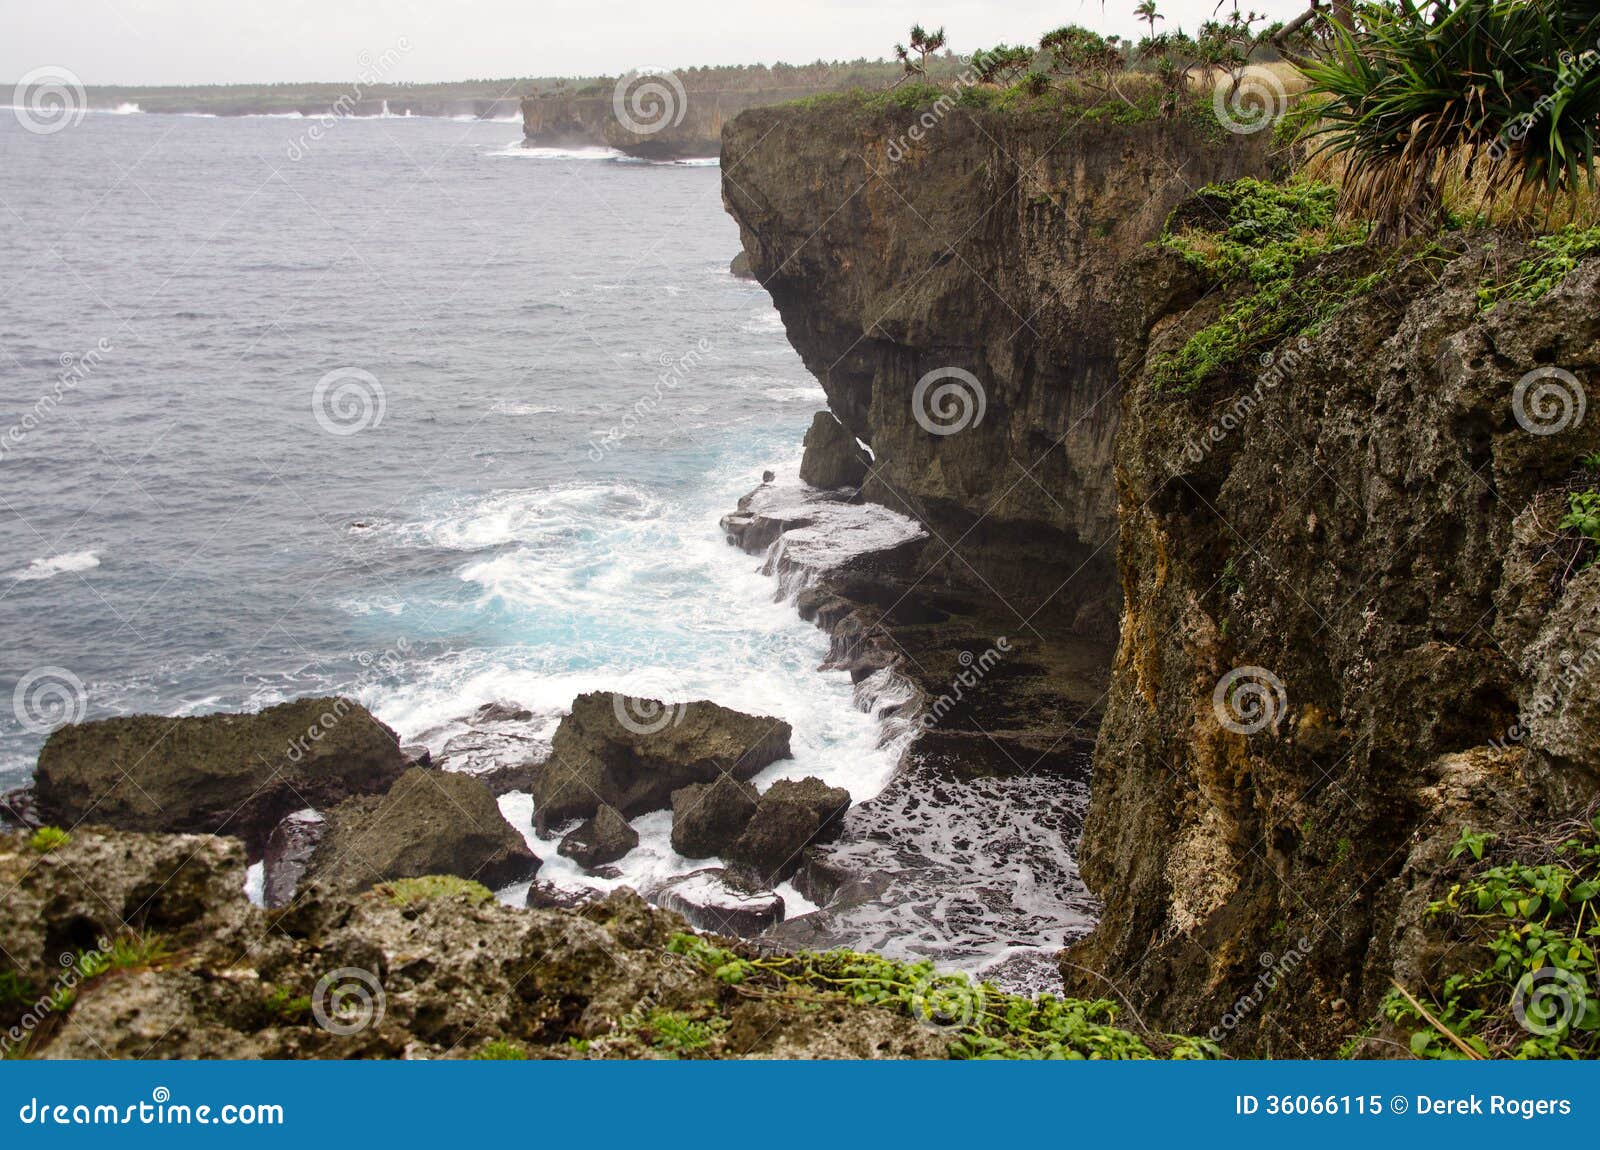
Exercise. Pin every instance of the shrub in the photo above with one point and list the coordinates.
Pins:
(411, 891)
(46, 839)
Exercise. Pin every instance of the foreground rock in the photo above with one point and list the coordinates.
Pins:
(215, 774)
(441, 976)
(832, 457)
(600, 840)
(633, 753)
(430, 822)
(289, 850)
(708, 816)
(789, 817)
(713, 900)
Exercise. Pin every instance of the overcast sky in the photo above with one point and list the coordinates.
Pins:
(258, 41)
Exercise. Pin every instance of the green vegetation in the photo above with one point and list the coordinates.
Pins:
(924, 44)
(1560, 252)
(46, 839)
(499, 1050)
(1262, 234)
(1583, 516)
(982, 1021)
(126, 952)
(286, 1006)
(1537, 994)
(411, 891)
(676, 1033)
(1509, 89)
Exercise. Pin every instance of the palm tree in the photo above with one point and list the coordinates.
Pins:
(925, 44)
(1146, 11)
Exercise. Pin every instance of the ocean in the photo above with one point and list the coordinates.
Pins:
(398, 410)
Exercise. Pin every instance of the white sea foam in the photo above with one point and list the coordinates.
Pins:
(49, 568)
(516, 150)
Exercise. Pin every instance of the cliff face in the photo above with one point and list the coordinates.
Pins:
(1349, 623)
(666, 125)
(987, 255)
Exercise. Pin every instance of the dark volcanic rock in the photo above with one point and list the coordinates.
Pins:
(605, 838)
(633, 753)
(501, 712)
(791, 815)
(708, 816)
(545, 895)
(710, 900)
(288, 854)
(18, 808)
(832, 458)
(430, 822)
(216, 774)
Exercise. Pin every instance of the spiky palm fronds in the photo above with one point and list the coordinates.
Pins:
(1511, 85)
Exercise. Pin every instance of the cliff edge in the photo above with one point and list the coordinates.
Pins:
(1349, 623)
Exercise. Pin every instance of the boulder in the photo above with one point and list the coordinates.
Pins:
(832, 456)
(740, 267)
(791, 815)
(633, 753)
(501, 712)
(600, 840)
(430, 822)
(216, 774)
(545, 895)
(710, 900)
(706, 817)
(288, 854)
(19, 810)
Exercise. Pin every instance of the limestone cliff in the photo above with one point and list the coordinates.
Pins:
(666, 124)
(985, 255)
(1349, 624)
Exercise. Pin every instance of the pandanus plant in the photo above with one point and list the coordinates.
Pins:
(1508, 88)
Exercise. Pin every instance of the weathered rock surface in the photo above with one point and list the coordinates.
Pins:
(1351, 549)
(792, 814)
(707, 817)
(430, 822)
(633, 753)
(215, 774)
(439, 978)
(992, 247)
(1373, 528)
(739, 266)
(605, 838)
(288, 855)
(832, 456)
(713, 900)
